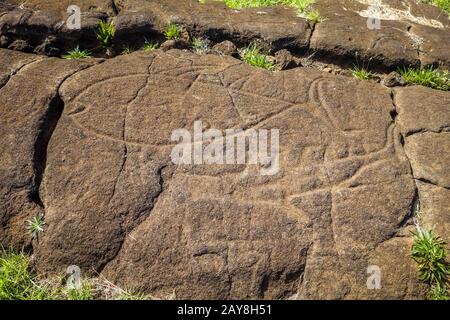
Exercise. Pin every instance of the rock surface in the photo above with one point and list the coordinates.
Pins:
(409, 33)
(393, 79)
(87, 145)
(285, 60)
(30, 109)
(114, 203)
(226, 47)
(424, 120)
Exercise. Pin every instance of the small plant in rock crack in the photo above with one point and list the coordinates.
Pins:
(199, 45)
(35, 226)
(314, 16)
(428, 77)
(172, 32)
(77, 53)
(105, 34)
(255, 56)
(430, 254)
(127, 50)
(150, 46)
(361, 73)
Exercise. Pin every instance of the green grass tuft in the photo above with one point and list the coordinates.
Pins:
(426, 77)
(361, 73)
(239, 4)
(430, 254)
(442, 4)
(439, 293)
(303, 7)
(200, 46)
(172, 32)
(105, 34)
(77, 54)
(35, 226)
(128, 50)
(150, 46)
(86, 292)
(16, 280)
(254, 56)
(314, 16)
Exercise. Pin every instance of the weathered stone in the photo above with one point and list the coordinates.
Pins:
(435, 208)
(433, 45)
(345, 33)
(174, 44)
(215, 21)
(398, 41)
(285, 60)
(21, 45)
(422, 109)
(392, 79)
(133, 28)
(226, 48)
(410, 33)
(429, 153)
(36, 26)
(114, 202)
(4, 41)
(90, 150)
(397, 251)
(424, 121)
(48, 48)
(30, 109)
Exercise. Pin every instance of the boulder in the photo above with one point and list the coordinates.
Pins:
(31, 107)
(21, 45)
(285, 60)
(226, 48)
(115, 203)
(393, 79)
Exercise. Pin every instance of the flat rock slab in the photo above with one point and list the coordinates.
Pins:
(114, 203)
(279, 26)
(30, 108)
(409, 33)
(424, 120)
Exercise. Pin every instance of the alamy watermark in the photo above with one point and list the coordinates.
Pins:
(374, 279)
(373, 21)
(74, 277)
(73, 22)
(236, 147)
